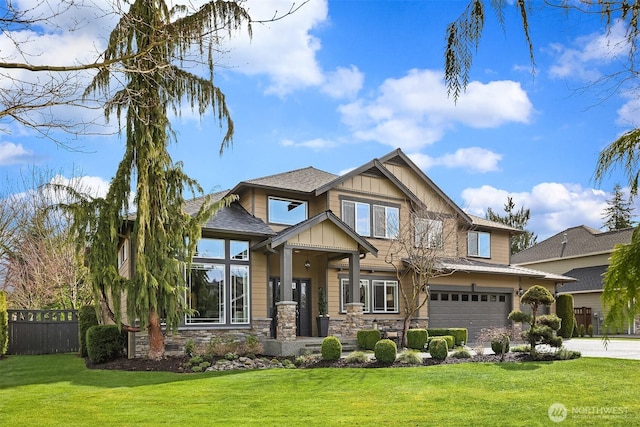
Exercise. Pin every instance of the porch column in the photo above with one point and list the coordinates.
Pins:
(286, 308)
(354, 317)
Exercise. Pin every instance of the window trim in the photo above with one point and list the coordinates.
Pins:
(371, 204)
(385, 284)
(388, 232)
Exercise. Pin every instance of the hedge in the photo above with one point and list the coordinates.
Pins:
(448, 338)
(105, 343)
(564, 310)
(438, 348)
(367, 338)
(386, 351)
(459, 334)
(417, 338)
(86, 318)
(4, 324)
(331, 348)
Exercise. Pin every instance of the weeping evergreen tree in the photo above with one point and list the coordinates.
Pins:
(158, 41)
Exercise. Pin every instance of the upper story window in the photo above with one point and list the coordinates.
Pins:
(286, 211)
(364, 217)
(479, 244)
(210, 248)
(123, 253)
(428, 233)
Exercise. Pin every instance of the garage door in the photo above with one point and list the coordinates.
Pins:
(472, 310)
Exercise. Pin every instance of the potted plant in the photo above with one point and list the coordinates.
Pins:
(323, 316)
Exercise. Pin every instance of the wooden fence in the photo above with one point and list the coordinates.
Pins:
(43, 331)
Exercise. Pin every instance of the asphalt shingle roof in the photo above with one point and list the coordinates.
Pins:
(476, 266)
(304, 180)
(589, 279)
(580, 240)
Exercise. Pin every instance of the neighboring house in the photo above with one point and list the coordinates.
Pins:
(310, 229)
(582, 253)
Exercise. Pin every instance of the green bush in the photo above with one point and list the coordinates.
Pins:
(461, 354)
(86, 318)
(438, 348)
(576, 331)
(367, 338)
(582, 330)
(417, 338)
(525, 348)
(331, 348)
(590, 330)
(385, 351)
(105, 343)
(497, 344)
(460, 335)
(564, 310)
(410, 357)
(448, 338)
(4, 324)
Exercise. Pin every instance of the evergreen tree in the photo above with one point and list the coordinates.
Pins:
(517, 220)
(618, 213)
(158, 41)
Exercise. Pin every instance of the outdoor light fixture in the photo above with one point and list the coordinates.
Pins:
(375, 323)
(520, 291)
(307, 264)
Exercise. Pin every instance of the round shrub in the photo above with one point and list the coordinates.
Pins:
(385, 351)
(367, 338)
(416, 338)
(331, 348)
(438, 349)
(105, 343)
(496, 344)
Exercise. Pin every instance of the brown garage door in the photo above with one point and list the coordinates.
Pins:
(472, 310)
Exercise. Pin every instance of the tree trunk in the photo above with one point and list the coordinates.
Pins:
(405, 328)
(156, 338)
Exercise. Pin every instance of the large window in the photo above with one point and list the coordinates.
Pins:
(479, 244)
(286, 211)
(378, 296)
(428, 233)
(364, 217)
(218, 283)
(364, 295)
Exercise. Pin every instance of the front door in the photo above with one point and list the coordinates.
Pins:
(302, 295)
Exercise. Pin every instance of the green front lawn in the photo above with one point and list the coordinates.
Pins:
(59, 390)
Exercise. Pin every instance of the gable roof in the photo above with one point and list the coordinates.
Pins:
(486, 223)
(589, 279)
(376, 167)
(292, 231)
(573, 242)
(305, 180)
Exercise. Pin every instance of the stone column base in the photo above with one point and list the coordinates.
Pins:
(286, 315)
(354, 320)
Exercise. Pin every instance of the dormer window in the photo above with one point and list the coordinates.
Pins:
(479, 244)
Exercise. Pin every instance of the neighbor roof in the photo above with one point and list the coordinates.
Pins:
(572, 242)
(589, 279)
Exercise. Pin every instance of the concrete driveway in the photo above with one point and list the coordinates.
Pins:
(628, 348)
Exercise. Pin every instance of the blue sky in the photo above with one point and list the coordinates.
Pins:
(342, 82)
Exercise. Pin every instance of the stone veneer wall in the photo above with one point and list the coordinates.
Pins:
(174, 343)
(341, 328)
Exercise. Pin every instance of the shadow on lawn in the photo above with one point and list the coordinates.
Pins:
(16, 371)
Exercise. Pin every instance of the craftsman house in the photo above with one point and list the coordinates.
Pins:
(262, 261)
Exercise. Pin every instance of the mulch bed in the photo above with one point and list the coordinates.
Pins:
(174, 364)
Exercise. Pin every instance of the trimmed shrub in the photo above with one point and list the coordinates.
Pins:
(367, 338)
(86, 318)
(417, 338)
(460, 335)
(461, 354)
(385, 351)
(582, 330)
(105, 343)
(564, 310)
(590, 330)
(448, 338)
(331, 348)
(496, 345)
(410, 357)
(4, 324)
(438, 349)
(576, 332)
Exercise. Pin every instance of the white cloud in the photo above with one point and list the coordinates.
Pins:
(554, 206)
(315, 144)
(343, 83)
(414, 111)
(474, 159)
(11, 154)
(590, 54)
